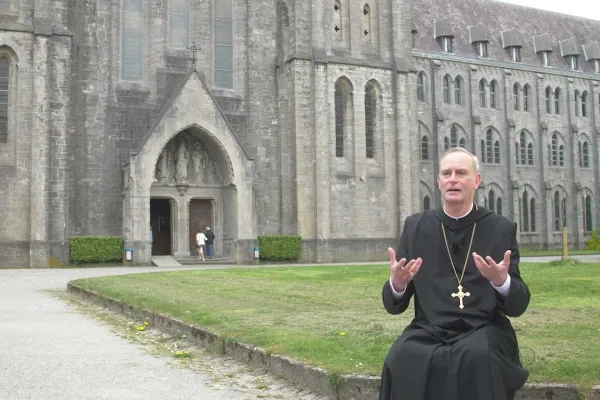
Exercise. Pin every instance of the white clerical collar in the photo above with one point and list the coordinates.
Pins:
(462, 216)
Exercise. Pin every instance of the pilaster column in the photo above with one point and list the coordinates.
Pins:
(39, 252)
(181, 227)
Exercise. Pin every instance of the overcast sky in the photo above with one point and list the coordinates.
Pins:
(581, 8)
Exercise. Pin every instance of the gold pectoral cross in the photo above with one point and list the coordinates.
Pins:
(460, 295)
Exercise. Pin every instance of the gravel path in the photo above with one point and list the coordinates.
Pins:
(50, 349)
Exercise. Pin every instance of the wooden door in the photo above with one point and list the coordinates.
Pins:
(200, 218)
(160, 223)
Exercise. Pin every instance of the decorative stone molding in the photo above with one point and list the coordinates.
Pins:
(439, 114)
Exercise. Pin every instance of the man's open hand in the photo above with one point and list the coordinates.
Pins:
(497, 273)
(402, 274)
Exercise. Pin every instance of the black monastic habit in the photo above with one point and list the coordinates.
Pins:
(448, 353)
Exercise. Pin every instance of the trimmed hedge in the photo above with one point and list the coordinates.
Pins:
(594, 242)
(96, 249)
(277, 248)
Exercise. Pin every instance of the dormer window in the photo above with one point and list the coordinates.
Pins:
(515, 54)
(482, 49)
(546, 58)
(573, 62)
(447, 44)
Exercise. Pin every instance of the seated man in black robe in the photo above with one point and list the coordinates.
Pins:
(460, 264)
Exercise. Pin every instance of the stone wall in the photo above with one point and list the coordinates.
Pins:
(508, 178)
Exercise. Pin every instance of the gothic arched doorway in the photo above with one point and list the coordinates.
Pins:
(193, 172)
(191, 157)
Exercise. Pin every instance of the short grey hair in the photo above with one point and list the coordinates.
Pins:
(462, 150)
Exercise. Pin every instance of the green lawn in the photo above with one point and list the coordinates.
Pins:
(333, 316)
(555, 252)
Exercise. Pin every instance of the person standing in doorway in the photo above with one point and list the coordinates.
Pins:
(210, 242)
(201, 242)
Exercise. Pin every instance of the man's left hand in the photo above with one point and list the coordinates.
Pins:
(497, 273)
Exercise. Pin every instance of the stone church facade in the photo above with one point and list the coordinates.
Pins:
(323, 119)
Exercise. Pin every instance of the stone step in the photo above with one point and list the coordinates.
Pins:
(193, 260)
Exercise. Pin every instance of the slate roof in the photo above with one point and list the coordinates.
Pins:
(503, 25)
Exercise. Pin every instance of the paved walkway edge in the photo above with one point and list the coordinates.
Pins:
(347, 387)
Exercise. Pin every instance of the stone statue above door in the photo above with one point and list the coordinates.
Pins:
(184, 160)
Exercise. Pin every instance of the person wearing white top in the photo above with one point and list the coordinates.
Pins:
(201, 241)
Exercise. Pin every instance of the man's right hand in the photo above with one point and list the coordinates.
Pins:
(402, 274)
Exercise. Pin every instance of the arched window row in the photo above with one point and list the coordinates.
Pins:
(490, 147)
(559, 210)
(553, 100)
(493, 202)
(343, 110)
(524, 150)
(493, 94)
(453, 90)
(454, 140)
(556, 151)
(583, 150)
(581, 101)
(522, 97)
(528, 213)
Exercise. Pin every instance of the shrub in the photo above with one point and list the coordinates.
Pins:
(278, 248)
(95, 249)
(594, 242)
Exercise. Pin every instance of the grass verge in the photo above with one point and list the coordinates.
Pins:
(332, 317)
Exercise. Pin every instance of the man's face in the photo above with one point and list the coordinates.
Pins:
(457, 179)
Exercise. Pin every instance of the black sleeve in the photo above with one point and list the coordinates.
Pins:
(518, 297)
(392, 304)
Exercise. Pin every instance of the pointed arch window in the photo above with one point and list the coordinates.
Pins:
(458, 90)
(421, 82)
(548, 100)
(370, 118)
(557, 101)
(482, 145)
(179, 21)
(223, 46)
(482, 102)
(462, 143)
(523, 147)
(557, 218)
(446, 143)
(425, 148)
(338, 19)
(4, 96)
(497, 152)
(488, 146)
(493, 94)
(453, 136)
(499, 206)
(588, 223)
(132, 39)
(530, 153)
(517, 96)
(576, 99)
(426, 203)
(446, 89)
(491, 200)
(526, 92)
(532, 214)
(525, 211)
(584, 101)
(367, 29)
(343, 109)
(585, 155)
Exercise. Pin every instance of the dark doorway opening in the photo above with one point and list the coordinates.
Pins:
(200, 218)
(160, 223)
